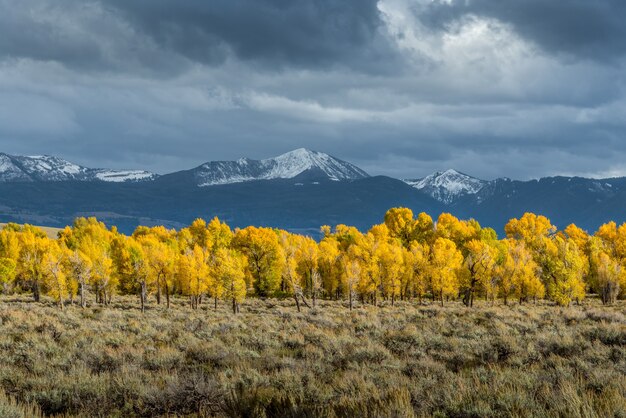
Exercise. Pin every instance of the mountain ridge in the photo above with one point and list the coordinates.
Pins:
(17, 168)
(299, 190)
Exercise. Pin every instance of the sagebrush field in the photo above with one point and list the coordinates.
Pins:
(405, 360)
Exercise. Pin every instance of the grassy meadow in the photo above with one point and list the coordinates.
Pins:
(408, 360)
(51, 232)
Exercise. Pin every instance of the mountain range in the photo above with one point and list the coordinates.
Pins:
(299, 191)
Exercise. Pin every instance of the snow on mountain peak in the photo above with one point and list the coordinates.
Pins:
(448, 185)
(285, 166)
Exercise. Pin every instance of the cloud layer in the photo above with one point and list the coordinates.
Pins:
(401, 87)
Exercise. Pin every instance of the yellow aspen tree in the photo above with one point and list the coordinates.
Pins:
(198, 234)
(160, 253)
(215, 269)
(611, 240)
(390, 270)
(220, 234)
(347, 236)
(608, 234)
(140, 270)
(506, 269)
(407, 275)
(518, 273)
(352, 275)
(424, 229)
(620, 245)
(55, 278)
(33, 248)
(95, 238)
(265, 257)
(307, 258)
(7, 272)
(363, 251)
(9, 256)
(610, 277)
(537, 233)
(480, 263)
(291, 282)
(401, 225)
(416, 265)
(103, 281)
(79, 266)
(531, 229)
(578, 235)
(366, 251)
(567, 269)
(329, 266)
(231, 275)
(445, 262)
(457, 231)
(193, 275)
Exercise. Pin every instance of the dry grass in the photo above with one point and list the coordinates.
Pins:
(400, 361)
(52, 233)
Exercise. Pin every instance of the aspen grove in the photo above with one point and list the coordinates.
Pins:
(403, 258)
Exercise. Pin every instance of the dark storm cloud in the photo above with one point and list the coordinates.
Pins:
(80, 35)
(594, 29)
(166, 36)
(401, 87)
(288, 32)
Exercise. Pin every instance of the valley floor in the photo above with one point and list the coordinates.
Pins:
(270, 360)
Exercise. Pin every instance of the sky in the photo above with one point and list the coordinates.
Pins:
(493, 88)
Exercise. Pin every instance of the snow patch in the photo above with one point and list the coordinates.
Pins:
(120, 176)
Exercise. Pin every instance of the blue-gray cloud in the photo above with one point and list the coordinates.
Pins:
(579, 28)
(517, 88)
(301, 33)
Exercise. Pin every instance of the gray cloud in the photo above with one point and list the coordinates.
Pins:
(580, 28)
(299, 33)
(165, 37)
(515, 88)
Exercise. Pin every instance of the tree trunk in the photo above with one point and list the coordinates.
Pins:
(167, 295)
(215, 304)
(234, 306)
(36, 294)
(83, 302)
(295, 296)
(158, 295)
(350, 299)
(143, 297)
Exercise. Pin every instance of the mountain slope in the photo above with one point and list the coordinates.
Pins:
(286, 166)
(281, 203)
(448, 186)
(47, 168)
(586, 202)
(300, 190)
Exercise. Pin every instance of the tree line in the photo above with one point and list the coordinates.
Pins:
(403, 258)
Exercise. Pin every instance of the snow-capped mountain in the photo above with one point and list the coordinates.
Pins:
(47, 168)
(306, 199)
(285, 166)
(448, 186)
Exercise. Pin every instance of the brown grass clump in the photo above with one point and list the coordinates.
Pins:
(403, 361)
